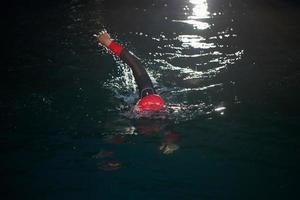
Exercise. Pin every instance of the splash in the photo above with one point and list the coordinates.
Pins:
(186, 66)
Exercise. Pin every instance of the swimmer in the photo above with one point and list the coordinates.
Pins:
(149, 100)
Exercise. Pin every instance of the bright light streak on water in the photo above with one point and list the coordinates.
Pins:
(218, 109)
(200, 88)
(195, 41)
(190, 38)
(200, 11)
(197, 24)
(165, 65)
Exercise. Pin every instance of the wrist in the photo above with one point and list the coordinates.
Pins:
(115, 47)
(108, 42)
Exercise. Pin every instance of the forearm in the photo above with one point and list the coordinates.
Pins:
(139, 72)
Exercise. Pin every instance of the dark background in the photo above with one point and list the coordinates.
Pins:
(52, 77)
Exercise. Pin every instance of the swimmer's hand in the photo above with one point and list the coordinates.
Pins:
(103, 38)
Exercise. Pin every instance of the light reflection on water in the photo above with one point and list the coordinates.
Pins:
(185, 63)
(72, 133)
(200, 11)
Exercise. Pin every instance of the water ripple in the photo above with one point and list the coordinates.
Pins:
(185, 64)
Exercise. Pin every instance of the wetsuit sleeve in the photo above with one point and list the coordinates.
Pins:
(116, 48)
(140, 74)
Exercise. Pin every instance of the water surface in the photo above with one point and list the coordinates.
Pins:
(228, 69)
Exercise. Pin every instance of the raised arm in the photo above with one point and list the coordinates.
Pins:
(140, 74)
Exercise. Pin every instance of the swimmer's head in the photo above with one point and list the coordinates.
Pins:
(151, 103)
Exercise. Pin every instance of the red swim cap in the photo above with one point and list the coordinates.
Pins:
(151, 102)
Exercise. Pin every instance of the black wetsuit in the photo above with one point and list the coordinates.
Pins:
(140, 74)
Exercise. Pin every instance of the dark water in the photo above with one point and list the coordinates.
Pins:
(229, 70)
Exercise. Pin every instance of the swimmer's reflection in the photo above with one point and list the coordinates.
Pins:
(144, 127)
(148, 127)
